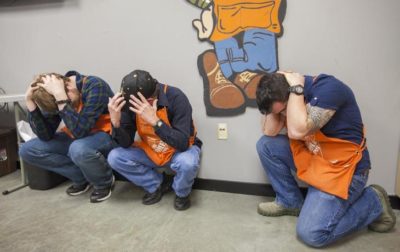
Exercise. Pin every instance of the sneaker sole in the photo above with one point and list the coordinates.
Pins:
(108, 195)
(101, 199)
(81, 192)
(381, 190)
(280, 213)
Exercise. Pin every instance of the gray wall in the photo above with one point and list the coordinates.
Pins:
(358, 41)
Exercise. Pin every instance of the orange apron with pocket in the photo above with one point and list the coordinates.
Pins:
(326, 163)
(235, 16)
(156, 149)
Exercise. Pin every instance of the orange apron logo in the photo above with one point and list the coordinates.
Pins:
(326, 163)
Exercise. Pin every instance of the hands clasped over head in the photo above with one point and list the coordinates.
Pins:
(48, 88)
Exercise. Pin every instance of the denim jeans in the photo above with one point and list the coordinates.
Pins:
(256, 52)
(135, 165)
(80, 160)
(324, 218)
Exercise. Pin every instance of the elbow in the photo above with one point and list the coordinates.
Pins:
(124, 144)
(295, 134)
(183, 146)
(271, 133)
(45, 138)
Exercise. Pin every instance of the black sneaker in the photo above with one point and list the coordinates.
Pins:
(152, 198)
(75, 190)
(181, 203)
(99, 195)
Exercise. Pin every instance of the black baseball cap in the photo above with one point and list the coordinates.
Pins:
(138, 81)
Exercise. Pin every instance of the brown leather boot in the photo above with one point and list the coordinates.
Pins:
(220, 93)
(248, 82)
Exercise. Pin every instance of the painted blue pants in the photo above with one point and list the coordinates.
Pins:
(134, 164)
(257, 53)
(80, 160)
(324, 218)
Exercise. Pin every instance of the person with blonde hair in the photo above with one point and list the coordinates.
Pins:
(78, 148)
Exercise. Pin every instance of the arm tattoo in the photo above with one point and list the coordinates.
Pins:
(317, 117)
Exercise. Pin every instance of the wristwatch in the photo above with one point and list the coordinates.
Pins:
(298, 89)
(158, 125)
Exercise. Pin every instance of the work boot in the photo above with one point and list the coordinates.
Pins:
(152, 198)
(181, 203)
(386, 221)
(220, 92)
(248, 82)
(274, 209)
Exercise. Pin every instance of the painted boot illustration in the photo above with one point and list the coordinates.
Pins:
(221, 96)
(248, 82)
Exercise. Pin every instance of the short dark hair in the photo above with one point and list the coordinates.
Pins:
(272, 88)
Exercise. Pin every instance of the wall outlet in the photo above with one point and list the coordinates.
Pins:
(222, 131)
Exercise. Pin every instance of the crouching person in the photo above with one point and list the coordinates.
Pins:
(79, 151)
(162, 117)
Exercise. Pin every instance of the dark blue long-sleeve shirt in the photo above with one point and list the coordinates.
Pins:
(179, 113)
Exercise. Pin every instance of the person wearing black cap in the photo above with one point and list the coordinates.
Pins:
(162, 117)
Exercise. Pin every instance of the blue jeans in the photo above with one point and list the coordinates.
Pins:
(134, 164)
(324, 218)
(80, 160)
(257, 53)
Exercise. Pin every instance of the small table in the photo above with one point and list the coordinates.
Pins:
(18, 110)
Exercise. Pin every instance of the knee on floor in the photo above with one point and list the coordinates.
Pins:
(312, 237)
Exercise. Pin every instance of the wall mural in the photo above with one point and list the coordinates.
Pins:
(243, 34)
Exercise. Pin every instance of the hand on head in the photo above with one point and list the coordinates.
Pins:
(53, 85)
(144, 109)
(30, 103)
(31, 88)
(293, 78)
(115, 105)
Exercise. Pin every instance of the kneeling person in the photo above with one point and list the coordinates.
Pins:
(325, 145)
(79, 151)
(162, 117)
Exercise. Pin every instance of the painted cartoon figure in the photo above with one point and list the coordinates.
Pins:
(243, 34)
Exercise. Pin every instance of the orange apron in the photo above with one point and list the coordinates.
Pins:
(103, 123)
(326, 163)
(157, 150)
(235, 16)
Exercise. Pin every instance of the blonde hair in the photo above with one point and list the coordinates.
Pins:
(44, 99)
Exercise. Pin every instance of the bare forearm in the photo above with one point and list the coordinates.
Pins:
(304, 119)
(30, 105)
(272, 124)
(296, 117)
